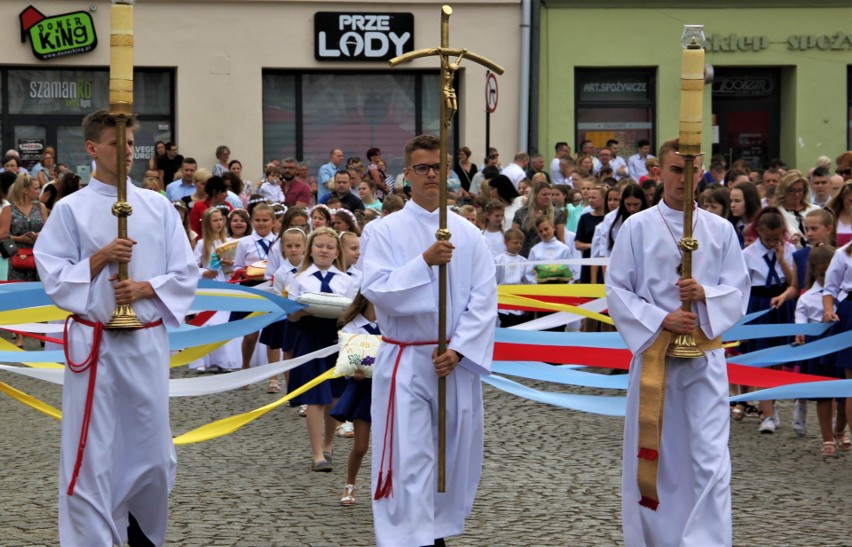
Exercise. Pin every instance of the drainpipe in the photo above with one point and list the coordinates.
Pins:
(535, 71)
(524, 110)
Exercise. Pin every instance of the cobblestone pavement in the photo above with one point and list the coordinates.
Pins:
(551, 477)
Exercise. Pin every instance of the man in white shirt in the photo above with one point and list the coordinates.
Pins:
(636, 163)
(619, 166)
(517, 170)
(562, 151)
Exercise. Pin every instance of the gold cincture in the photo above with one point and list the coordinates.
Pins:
(121, 106)
(450, 60)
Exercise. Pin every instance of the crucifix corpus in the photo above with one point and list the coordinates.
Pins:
(450, 60)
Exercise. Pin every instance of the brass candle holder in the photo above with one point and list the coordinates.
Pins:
(121, 107)
(689, 138)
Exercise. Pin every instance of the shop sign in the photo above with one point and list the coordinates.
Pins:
(614, 89)
(742, 87)
(839, 41)
(362, 36)
(30, 151)
(59, 35)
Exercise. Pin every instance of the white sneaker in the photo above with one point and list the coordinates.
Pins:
(767, 425)
(303, 410)
(800, 414)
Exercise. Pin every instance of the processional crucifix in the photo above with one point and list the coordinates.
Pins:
(450, 60)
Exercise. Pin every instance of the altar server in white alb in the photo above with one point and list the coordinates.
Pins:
(644, 294)
(116, 489)
(401, 279)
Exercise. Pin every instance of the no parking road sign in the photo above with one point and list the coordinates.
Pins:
(491, 92)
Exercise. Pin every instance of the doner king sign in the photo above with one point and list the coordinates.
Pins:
(362, 36)
(58, 35)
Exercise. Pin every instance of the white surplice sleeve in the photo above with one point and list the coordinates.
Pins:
(175, 288)
(64, 272)
(638, 320)
(398, 289)
(473, 336)
(726, 302)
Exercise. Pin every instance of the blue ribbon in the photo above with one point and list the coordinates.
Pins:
(787, 353)
(832, 389)
(595, 404)
(559, 375)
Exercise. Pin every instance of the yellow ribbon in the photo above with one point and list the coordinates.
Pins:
(30, 401)
(578, 289)
(39, 314)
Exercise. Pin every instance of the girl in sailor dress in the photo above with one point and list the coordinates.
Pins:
(809, 309)
(838, 287)
(280, 336)
(254, 248)
(354, 405)
(320, 272)
(774, 286)
(214, 234)
(350, 246)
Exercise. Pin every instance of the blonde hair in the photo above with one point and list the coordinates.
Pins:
(16, 191)
(790, 178)
(308, 260)
(209, 239)
(549, 211)
(201, 175)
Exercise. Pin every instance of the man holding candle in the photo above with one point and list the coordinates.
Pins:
(117, 458)
(644, 294)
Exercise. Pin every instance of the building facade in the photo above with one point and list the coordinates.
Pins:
(782, 86)
(268, 78)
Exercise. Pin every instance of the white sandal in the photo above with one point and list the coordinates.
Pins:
(348, 498)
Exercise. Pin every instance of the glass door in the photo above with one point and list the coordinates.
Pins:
(30, 141)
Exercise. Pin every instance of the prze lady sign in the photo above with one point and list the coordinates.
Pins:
(362, 36)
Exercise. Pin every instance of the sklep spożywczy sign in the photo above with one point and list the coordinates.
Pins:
(362, 36)
(60, 35)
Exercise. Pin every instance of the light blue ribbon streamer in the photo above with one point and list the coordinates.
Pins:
(52, 356)
(751, 332)
(788, 353)
(807, 390)
(289, 306)
(533, 370)
(200, 336)
(226, 303)
(595, 404)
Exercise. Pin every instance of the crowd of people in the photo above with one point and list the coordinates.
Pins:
(304, 233)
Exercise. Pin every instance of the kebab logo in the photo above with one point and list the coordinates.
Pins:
(60, 35)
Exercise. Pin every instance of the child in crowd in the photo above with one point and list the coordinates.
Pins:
(180, 207)
(810, 309)
(289, 249)
(279, 211)
(353, 407)
(334, 203)
(468, 212)
(550, 248)
(320, 216)
(493, 232)
(575, 211)
(350, 245)
(560, 197)
(774, 284)
(214, 234)
(343, 220)
(295, 217)
(320, 272)
(511, 271)
(250, 250)
(367, 193)
(819, 230)
(239, 224)
(586, 231)
(838, 286)
(718, 201)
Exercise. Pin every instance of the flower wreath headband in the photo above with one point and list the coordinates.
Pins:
(348, 213)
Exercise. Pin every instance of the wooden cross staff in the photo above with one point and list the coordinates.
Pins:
(450, 60)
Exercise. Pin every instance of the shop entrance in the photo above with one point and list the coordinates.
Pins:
(746, 112)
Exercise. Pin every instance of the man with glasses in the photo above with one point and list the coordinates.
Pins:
(401, 280)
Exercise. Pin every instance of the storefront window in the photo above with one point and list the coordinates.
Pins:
(46, 107)
(306, 115)
(615, 104)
